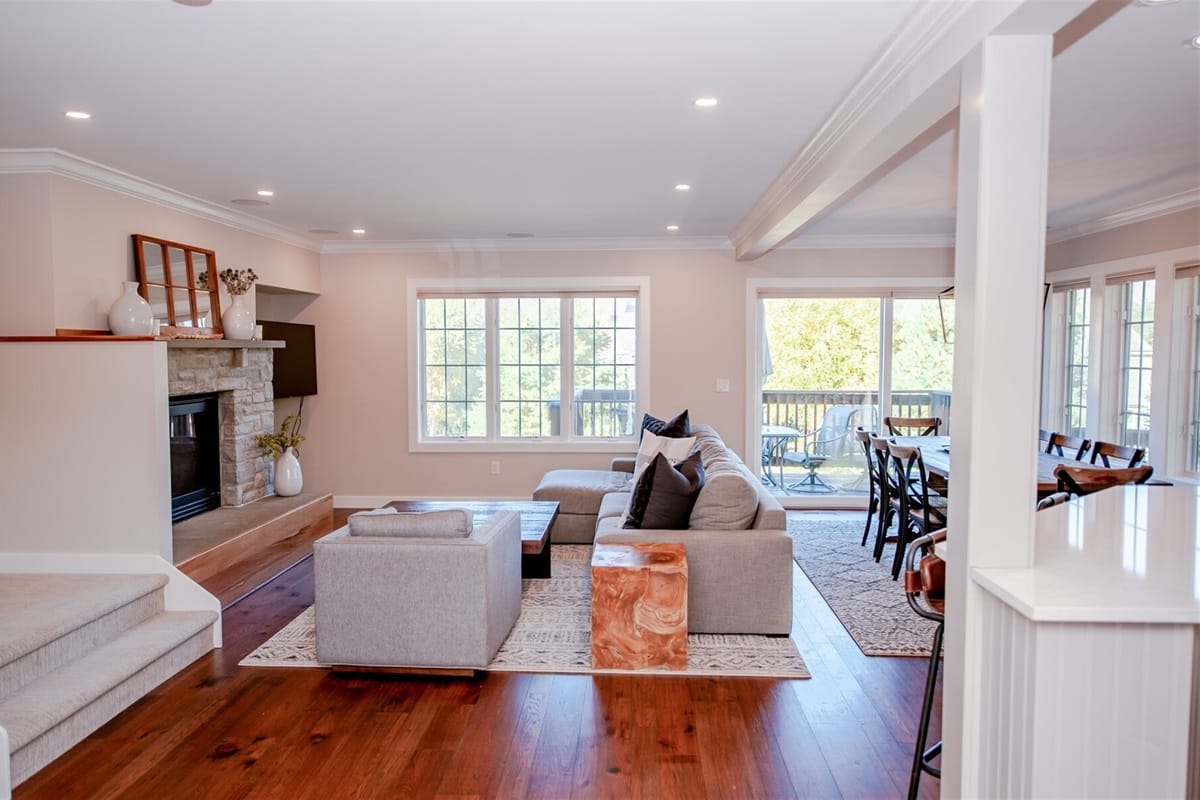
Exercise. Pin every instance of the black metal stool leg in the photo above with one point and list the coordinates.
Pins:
(921, 756)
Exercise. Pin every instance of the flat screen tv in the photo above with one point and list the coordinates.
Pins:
(296, 364)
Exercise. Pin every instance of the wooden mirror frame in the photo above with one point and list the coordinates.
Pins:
(194, 284)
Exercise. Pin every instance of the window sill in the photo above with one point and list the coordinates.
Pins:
(614, 446)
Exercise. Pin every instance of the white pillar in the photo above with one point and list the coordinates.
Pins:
(998, 274)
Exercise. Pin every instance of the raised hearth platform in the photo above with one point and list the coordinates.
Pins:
(231, 551)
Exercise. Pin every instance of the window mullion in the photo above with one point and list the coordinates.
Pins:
(566, 369)
(491, 324)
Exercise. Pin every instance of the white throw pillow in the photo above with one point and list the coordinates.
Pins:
(675, 449)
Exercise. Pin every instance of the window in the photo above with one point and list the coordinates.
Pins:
(1137, 355)
(1193, 318)
(1075, 366)
(527, 366)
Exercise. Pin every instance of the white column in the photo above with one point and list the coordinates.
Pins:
(998, 273)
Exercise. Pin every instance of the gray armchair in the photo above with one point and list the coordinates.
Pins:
(437, 602)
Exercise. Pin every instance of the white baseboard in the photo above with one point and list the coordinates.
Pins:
(375, 501)
(180, 594)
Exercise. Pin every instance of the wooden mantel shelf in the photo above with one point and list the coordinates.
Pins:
(219, 344)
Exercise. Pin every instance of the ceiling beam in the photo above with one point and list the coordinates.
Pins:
(906, 93)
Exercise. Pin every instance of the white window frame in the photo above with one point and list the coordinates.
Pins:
(1055, 377)
(567, 441)
(884, 289)
(1170, 381)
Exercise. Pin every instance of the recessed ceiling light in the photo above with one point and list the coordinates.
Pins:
(682, 187)
(705, 102)
(672, 227)
(193, 2)
(265, 193)
(1193, 42)
(249, 201)
(359, 231)
(78, 115)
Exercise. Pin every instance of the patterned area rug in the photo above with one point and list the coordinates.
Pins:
(862, 593)
(553, 634)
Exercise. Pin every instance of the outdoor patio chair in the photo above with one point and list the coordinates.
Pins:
(834, 439)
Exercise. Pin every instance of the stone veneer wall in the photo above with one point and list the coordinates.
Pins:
(242, 379)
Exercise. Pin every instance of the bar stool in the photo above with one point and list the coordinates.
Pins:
(925, 589)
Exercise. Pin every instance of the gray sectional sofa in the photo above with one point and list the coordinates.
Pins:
(739, 554)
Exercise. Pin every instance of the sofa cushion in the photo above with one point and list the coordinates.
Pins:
(729, 498)
(451, 523)
(579, 491)
(675, 427)
(664, 494)
(613, 505)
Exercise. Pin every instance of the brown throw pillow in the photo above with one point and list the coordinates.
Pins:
(665, 493)
(676, 427)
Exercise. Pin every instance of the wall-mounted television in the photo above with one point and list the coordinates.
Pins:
(296, 364)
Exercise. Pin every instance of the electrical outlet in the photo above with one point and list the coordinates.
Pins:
(722, 385)
(495, 467)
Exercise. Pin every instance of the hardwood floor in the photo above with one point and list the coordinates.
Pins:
(220, 731)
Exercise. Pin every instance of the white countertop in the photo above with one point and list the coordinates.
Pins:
(1128, 554)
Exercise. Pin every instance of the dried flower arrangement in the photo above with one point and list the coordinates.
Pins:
(237, 281)
(273, 444)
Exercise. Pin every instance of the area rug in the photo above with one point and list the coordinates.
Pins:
(870, 605)
(553, 634)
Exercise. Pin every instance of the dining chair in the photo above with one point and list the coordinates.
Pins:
(864, 439)
(1107, 450)
(889, 493)
(1086, 480)
(1052, 500)
(921, 513)
(905, 426)
(1063, 444)
(1043, 438)
(925, 590)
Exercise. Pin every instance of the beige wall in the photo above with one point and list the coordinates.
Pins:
(93, 251)
(358, 423)
(1169, 232)
(27, 302)
(86, 466)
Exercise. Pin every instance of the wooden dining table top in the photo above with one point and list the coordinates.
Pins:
(935, 451)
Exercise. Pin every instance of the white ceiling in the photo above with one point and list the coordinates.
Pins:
(1124, 131)
(455, 120)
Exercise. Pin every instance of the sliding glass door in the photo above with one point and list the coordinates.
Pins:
(832, 364)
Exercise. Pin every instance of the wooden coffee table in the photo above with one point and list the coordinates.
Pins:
(537, 516)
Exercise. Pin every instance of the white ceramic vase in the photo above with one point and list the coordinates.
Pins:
(289, 480)
(238, 320)
(130, 314)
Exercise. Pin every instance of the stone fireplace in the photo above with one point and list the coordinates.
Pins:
(239, 374)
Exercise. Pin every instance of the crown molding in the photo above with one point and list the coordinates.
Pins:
(59, 162)
(869, 241)
(555, 245)
(1127, 216)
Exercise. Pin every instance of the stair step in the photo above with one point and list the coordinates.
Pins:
(51, 714)
(49, 620)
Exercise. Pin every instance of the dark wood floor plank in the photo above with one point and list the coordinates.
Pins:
(225, 731)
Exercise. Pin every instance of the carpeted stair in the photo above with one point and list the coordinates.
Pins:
(75, 650)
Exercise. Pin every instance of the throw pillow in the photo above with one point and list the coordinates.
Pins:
(664, 494)
(673, 428)
(652, 444)
(449, 524)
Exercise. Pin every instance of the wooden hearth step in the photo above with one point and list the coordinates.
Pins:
(230, 551)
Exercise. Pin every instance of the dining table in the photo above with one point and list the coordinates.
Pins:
(935, 452)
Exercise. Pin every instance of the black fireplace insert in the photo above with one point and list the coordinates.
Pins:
(195, 456)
